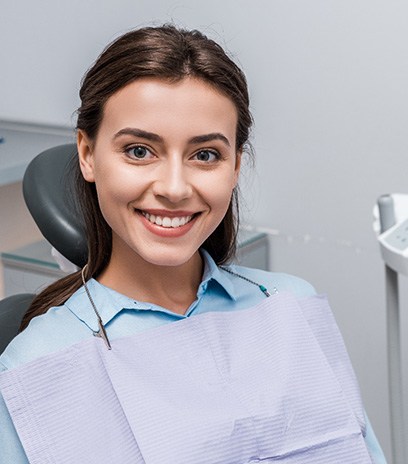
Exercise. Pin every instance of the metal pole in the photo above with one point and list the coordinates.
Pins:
(394, 367)
(387, 219)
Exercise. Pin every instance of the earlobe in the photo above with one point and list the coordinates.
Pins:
(85, 155)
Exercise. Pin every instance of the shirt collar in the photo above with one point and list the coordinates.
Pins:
(213, 272)
(109, 303)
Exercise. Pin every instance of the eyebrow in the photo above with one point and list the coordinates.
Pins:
(209, 138)
(156, 138)
(138, 133)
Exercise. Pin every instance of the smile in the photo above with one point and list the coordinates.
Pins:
(167, 222)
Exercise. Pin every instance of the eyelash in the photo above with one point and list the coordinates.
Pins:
(216, 154)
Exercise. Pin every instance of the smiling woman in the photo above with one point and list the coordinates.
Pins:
(163, 186)
(254, 369)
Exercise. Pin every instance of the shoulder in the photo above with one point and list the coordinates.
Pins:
(281, 281)
(49, 332)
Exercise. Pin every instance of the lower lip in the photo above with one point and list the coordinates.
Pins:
(166, 231)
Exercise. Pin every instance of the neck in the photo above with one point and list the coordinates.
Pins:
(172, 287)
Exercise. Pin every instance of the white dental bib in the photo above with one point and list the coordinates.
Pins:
(265, 384)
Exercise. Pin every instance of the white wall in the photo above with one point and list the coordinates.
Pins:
(329, 92)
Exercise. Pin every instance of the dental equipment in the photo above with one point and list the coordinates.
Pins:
(393, 238)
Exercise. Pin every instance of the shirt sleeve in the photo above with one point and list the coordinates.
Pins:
(11, 449)
(373, 446)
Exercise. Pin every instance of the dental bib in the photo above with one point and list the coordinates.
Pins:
(272, 383)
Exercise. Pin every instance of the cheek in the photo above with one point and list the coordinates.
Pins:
(115, 192)
(219, 192)
(117, 184)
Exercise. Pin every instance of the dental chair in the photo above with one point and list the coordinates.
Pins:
(12, 310)
(49, 193)
(48, 188)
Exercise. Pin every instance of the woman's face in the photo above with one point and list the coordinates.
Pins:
(164, 163)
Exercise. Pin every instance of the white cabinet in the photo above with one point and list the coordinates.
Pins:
(20, 143)
(29, 269)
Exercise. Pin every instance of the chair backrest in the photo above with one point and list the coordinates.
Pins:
(12, 310)
(49, 192)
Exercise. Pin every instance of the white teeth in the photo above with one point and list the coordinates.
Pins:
(166, 221)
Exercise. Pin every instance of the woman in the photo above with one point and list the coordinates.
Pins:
(258, 374)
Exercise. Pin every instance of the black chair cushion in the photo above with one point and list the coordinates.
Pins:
(12, 310)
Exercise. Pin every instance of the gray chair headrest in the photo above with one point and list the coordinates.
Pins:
(49, 192)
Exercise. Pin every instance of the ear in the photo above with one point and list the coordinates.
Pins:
(238, 158)
(85, 154)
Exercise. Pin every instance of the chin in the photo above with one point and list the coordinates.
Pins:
(168, 258)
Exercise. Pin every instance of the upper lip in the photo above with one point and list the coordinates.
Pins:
(167, 213)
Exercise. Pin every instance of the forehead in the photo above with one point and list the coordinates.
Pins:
(189, 106)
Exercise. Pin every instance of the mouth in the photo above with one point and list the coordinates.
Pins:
(167, 222)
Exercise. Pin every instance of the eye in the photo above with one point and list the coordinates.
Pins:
(139, 152)
(207, 156)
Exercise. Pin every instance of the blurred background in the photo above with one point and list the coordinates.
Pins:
(328, 82)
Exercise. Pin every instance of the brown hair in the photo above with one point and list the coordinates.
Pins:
(162, 52)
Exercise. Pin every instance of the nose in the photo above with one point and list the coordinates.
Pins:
(173, 181)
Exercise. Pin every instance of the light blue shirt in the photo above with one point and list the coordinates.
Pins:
(74, 321)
